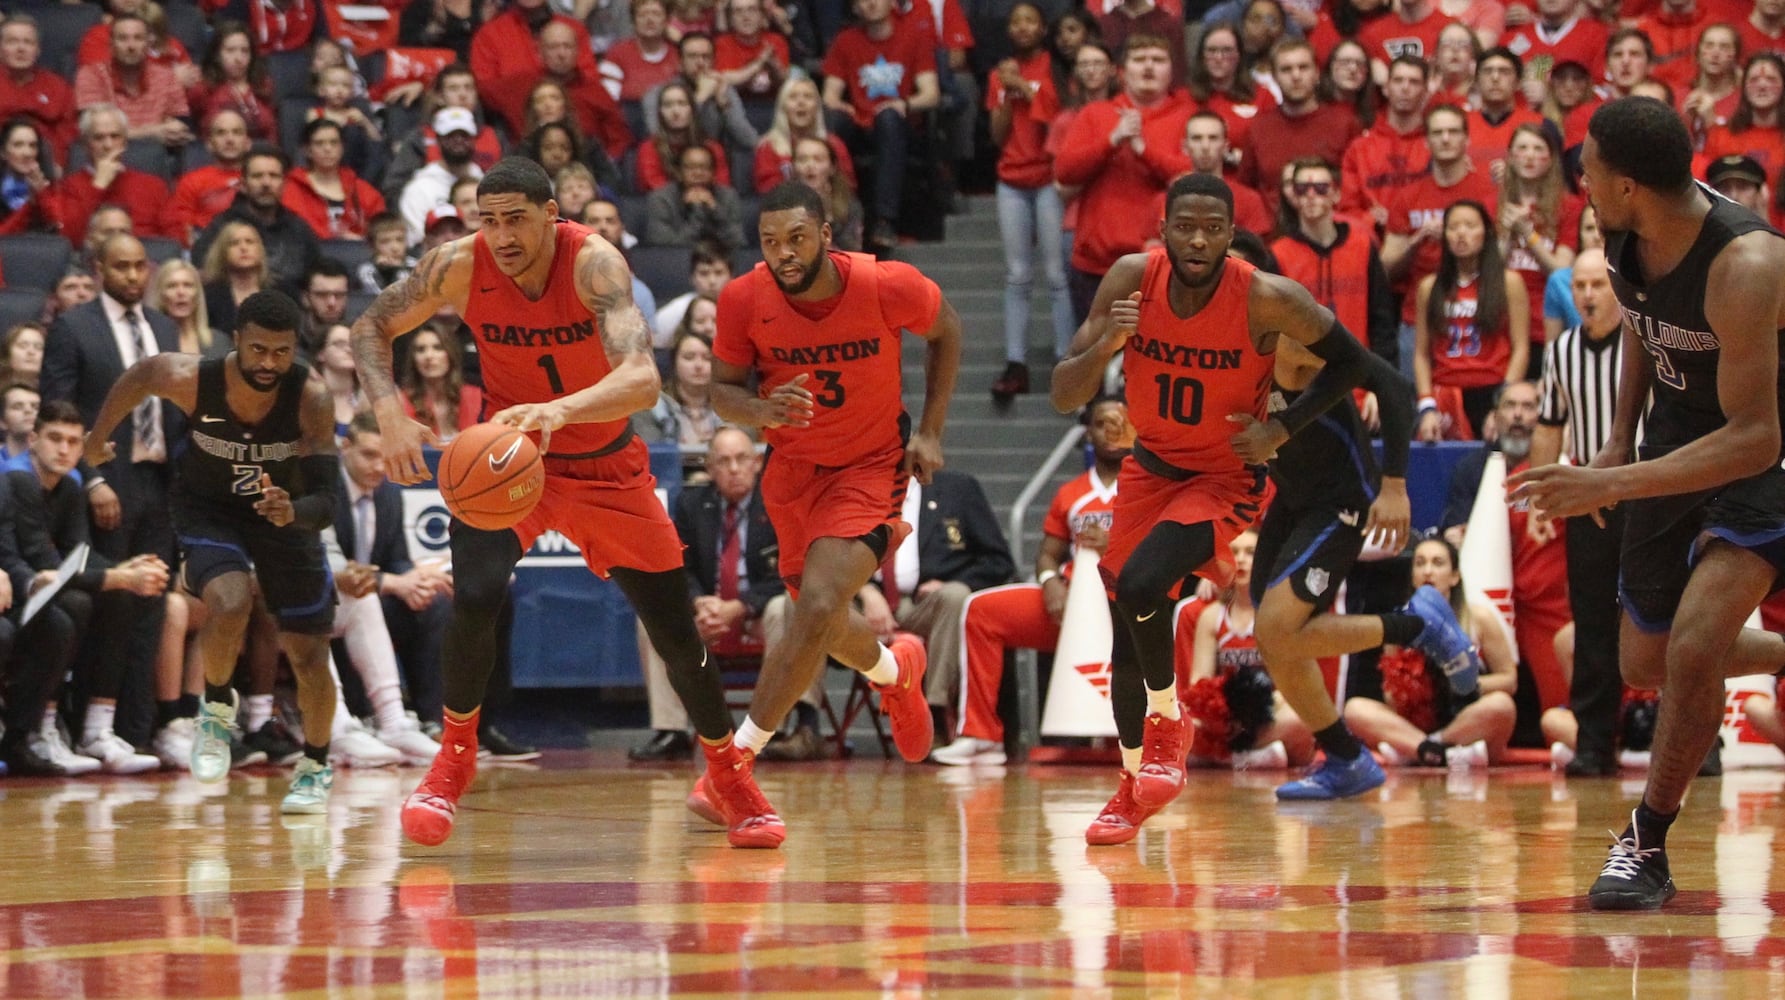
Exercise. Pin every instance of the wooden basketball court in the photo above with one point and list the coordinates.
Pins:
(585, 877)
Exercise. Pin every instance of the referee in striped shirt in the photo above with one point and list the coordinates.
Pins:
(1580, 397)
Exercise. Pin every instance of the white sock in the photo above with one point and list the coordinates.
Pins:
(99, 721)
(750, 736)
(387, 707)
(886, 671)
(1131, 759)
(1164, 702)
(260, 712)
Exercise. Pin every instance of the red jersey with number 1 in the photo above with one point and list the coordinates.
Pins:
(533, 351)
(1186, 375)
(847, 345)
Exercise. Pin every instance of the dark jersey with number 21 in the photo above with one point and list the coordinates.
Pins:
(219, 465)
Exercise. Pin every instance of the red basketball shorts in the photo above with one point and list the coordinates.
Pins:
(608, 508)
(1230, 501)
(807, 502)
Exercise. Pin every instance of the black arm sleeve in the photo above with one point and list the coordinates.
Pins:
(1345, 367)
(1394, 406)
(1385, 322)
(315, 510)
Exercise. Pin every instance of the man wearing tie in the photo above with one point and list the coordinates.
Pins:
(739, 598)
(87, 350)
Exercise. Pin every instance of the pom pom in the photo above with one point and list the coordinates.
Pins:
(1207, 704)
(1250, 703)
(1408, 687)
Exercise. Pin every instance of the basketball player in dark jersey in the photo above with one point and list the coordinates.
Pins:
(254, 485)
(1702, 283)
(1200, 329)
(821, 330)
(566, 352)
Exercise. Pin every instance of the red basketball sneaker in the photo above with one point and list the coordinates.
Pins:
(1161, 775)
(428, 812)
(700, 803)
(1120, 820)
(903, 701)
(730, 785)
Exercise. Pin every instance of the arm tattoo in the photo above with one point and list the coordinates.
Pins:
(606, 284)
(379, 324)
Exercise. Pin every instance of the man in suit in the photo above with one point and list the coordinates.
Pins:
(416, 599)
(87, 350)
(739, 610)
(957, 548)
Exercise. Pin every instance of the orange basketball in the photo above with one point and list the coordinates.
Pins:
(491, 476)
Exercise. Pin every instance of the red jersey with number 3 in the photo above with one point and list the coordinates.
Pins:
(534, 351)
(847, 345)
(1186, 375)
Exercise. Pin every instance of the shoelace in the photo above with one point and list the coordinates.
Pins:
(1626, 859)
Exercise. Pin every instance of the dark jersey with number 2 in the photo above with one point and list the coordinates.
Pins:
(219, 465)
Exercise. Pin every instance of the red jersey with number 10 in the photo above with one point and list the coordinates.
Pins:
(1185, 376)
(534, 351)
(848, 345)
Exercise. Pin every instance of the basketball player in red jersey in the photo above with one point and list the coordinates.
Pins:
(1200, 329)
(820, 330)
(564, 351)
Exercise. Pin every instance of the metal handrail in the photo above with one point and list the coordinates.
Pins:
(1068, 442)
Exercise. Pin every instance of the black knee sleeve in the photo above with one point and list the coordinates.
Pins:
(482, 562)
(1165, 558)
(662, 604)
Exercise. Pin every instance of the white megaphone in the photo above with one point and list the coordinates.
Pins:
(1486, 558)
(1078, 695)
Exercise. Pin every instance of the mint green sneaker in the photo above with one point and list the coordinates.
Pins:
(210, 747)
(310, 785)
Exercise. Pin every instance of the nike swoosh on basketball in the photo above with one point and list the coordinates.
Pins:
(210, 420)
(498, 463)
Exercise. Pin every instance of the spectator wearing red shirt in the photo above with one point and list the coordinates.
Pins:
(752, 59)
(1142, 17)
(28, 203)
(281, 25)
(1474, 324)
(1216, 84)
(1205, 142)
(205, 191)
(1673, 31)
(717, 106)
(875, 76)
(1764, 28)
(1496, 112)
(797, 116)
(1573, 100)
(329, 197)
(1629, 60)
(1020, 97)
(1298, 126)
(1392, 154)
(1539, 219)
(235, 79)
(1563, 31)
(677, 129)
(1122, 154)
(597, 116)
(106, 180)
(1411, 30)
(508, 45)
(1411, 248)
(1336, 260)
(29, 90)
(647, 60)
(1708, 98)
(1454, 69)
(153, 101)
(96, 44)
(1755, 129)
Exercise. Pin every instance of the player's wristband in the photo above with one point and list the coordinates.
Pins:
(1426, 403)
(1046, 575)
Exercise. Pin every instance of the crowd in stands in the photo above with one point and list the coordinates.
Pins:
(1414, 163)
